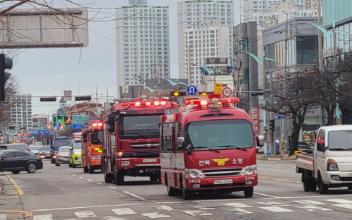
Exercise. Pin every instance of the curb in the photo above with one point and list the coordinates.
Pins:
(14, 184)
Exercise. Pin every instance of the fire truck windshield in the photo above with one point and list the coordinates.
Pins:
(140, 126)
(220, 134)
(97, 137)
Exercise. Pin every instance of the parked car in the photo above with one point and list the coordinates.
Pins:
(16, 161)
(62, 155)
(19, 146)
(44, 152)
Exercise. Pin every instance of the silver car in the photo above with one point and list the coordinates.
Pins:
(62, 155)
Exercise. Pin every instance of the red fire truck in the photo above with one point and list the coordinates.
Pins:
(92, 146)
(131, 134)
(209, 146)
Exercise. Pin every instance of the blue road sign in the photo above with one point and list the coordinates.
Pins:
(192, 90)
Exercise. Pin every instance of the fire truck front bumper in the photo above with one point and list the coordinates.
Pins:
(234, 183)
(139, 166)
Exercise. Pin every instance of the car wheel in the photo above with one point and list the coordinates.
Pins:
(90, 170)
(322, 187)
(85, 169)
(187, 194)
(31, 168)
(248, 192)
(155, 178)
(57, 163)
(119, 178)
(171, 191)
(108, 177)
(15, 171)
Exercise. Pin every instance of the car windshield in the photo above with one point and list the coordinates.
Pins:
(220, 134)
(59, 143)
(64, 149)
(77, 144)
(45, 149)
(2, 151)
(340, 140)
(141, 126)
(97, 137)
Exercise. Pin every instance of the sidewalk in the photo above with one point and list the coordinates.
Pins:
(11, 205)
(275, 157)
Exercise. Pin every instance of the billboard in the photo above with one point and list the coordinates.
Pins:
(39, 28)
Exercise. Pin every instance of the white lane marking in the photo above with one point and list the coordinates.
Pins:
(99, 183)
(241, 211)
(81, 177)
(271, 203)
(112, 187)
(165, 208)
(196, 212)
(167, 202)
(89, 180)
(266, 195)
(112, 218)
(346, 206)
(2, 217)
(85, 207)
(237, 205)
(85, 214)
(313, 208)
(74, 174)
(155, 215)
(134, 195)
(309, 202)
(43, 217)
(276, 209)
(123, 211)
(342, 201)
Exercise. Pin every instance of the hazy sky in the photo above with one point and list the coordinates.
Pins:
(45, 72)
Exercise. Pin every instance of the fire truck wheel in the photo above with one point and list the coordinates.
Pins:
(171, 191)
(155, 178)
(248, 192)
(85, 169)
(187, 194)
(90, 170)
(119, 178)
(108, 177)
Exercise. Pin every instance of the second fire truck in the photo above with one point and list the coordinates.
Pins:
(131, 134)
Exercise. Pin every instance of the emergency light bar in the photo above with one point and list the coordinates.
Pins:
(144, 103)
(212, 103)
(96, 125)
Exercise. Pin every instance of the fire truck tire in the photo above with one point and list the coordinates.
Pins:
(119, 178)
(187, 194)
(108, 177)
(85, 169)
(171, 191)
(90, 170)
(155, 178)
(248, 192)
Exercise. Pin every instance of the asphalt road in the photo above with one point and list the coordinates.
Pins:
(67, 193)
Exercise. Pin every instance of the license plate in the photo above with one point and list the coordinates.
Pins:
(153, 160)
(218, 182)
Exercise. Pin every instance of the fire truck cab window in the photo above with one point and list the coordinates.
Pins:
(140, 126)
(168, 137)
(220, 133)
(97, 137)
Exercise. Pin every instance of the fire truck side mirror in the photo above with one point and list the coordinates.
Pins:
(111, 123)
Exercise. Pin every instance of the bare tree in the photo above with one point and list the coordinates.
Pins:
(293, 101)
(11, 91)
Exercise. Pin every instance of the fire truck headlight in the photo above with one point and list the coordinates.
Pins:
(119, 154)
(194, 173)
(249, 170)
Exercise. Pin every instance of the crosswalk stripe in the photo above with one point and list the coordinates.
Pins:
(165, 208)
(196, 212)
(123, 211)
(112, 218)
(343, 201)
(43, 217)
(309, 202)
(155, 215)
(2, 217)
(312, 208)
(276, 209)
(237, 205)
(346, 206)
(85, 214)
(241, 211)
(271, 203)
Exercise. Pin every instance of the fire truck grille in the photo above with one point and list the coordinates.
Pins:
(145, 145)
(141, 154)
(224, 172)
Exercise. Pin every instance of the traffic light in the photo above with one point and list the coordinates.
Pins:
(48, 99)
(5, 63)
(177, 93)
(272, 125)
(83, 98)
